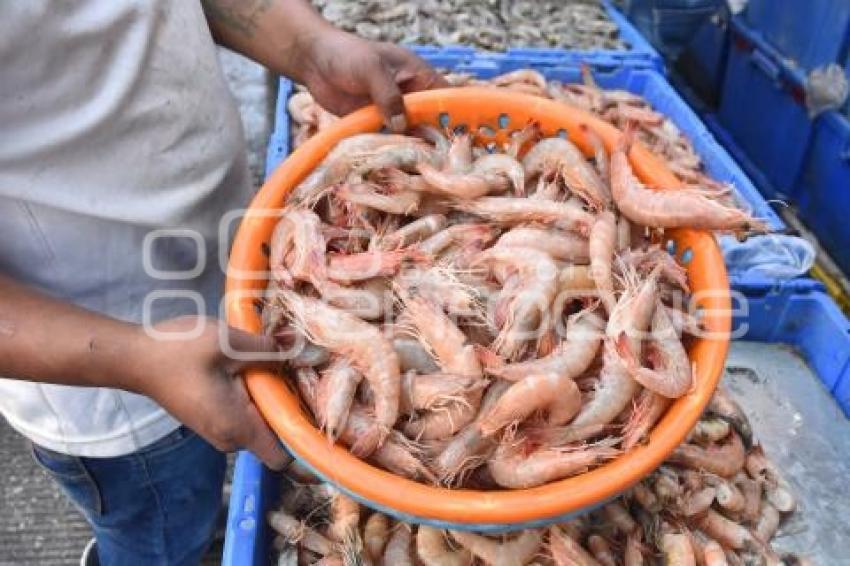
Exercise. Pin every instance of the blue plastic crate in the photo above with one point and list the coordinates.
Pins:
(810, 33)
(702, 63)
(799, 315)
(823, 193)
(762, 107)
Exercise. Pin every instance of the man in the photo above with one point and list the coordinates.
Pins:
(120, 151)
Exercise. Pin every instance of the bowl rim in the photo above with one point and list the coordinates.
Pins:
(464, 507)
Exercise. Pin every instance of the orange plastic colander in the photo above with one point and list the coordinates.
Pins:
(491, 115)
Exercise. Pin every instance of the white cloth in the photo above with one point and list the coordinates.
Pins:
(115, 120)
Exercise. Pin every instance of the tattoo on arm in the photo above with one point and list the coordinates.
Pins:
(240, 16)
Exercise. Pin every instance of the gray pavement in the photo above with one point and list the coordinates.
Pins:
(38, 525)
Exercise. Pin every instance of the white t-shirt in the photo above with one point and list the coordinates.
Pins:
(115, 121)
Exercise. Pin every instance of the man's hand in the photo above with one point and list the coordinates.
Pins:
(345, 72)
(198, 383)
(189, 373)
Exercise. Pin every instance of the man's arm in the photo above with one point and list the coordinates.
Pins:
(342, 71)
(49, 341)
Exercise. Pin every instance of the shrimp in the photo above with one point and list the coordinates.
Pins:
(646, 498)
(562, 246)
(633, 551)
(600, 154)
(413, 232)
(348, 268)
(673, 208)
(297, 249)
(601, 550)
(724, 460)
(722, 405)
(459, 154)
(468, 448)
(464, 185)
(709, 431)
(619, 516)
(341, 159)
(645, 260)
(751, 490)
(529, 303)
(345, 519)
(375, 535)
(616, 387)
(624, 234)
(403, 156)
(728, 533)
(440, 335)
(364, 302)
(397, 551)
(442, 287)
(567, 552)
(433, 135)
(363, 345)
(512, 467)
(684, 322)
(370, 196)
(434, 391)
(677, 550)
(713, 554)
(648, 410)
(335, 392)
(480, 234)
(523, 76)
(294, 531)
(673, 377)
(504, 165)
(515, 552)
(777, 490)
(575, 279)
(695, 503)
(555, 393)
(603, 236)
(401, 457)
(529, 133)
(559, 436)
(432, 550)
(413, 356)
(302, 108)
(510, 210)
(560, 158)
(768, 523)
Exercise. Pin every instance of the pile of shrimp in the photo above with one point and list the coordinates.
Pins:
(618, 107)
(484, 317)
(714, 502)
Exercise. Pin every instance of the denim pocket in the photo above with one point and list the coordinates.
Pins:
(72, 475)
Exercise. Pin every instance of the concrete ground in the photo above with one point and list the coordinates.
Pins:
(38, 525)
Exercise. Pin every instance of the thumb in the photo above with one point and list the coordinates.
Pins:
(386, 94)
(244, 349)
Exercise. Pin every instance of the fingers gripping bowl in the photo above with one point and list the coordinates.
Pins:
(490, 115)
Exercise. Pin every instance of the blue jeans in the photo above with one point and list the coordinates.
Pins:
(156, 506)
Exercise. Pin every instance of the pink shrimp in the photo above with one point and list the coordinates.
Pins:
(422, 392)
(510, 210)
(603, 236)
(684, 322)
(529, 133)
(302, 108)
(295, 531)
(513, 467)
(514, 552)
(413, 232)
(713, 554)
(504, 165)
(633, 551)
(341, 159)
(465, 185)
(298, 246)
(601, 550)
(445, 420)
(600, 154)
(440, 335)
(347, 268)
(526, 76)
(724, 460)
(559, 245)
(646, 260)
(375, 535)
(363, 302)
(479, 234)
(555, 393)
(468, 448)
(677, 549)
(566, 551)
(690, 208)
(361, 343)
(335, 392)
(570, 358)
(397, 551)
(560, 158)
(671, 376)
(432, 550)
(459, 154)
(648, 409)
(370, 196)
(442, 287)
